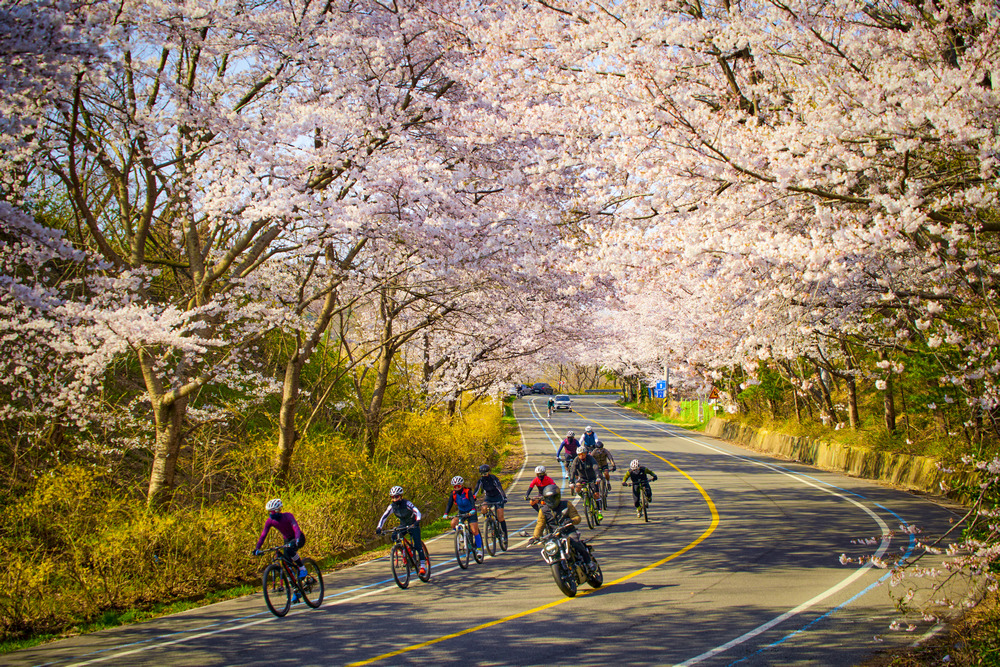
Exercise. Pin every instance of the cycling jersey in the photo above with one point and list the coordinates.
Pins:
(464, 499)
(286, 525)
(405, 511)
(638, 477)
(540, 483)
(583, 469)
(602, 455)
(570, 445)
(590, 440)
(492, 487)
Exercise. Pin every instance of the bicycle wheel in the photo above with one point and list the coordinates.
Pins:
(277, 590)
(490, 537)
(311, 585)
(595, 507)
(426, 576)
(501, 537)
(588, 506)
(645, 504)
(476, 553)
(400, 566)
(565, 579)
(605, 492)
(462, 548)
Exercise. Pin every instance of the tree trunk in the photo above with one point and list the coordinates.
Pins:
(373, 415)
(889, 406)
(287, 435)
(169, 418)
(852, 388)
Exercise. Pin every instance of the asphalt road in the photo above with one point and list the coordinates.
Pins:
(739, 564)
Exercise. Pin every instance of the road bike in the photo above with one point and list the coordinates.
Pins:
(643, 502)
(403, 558)
(605, 487)
(591, 504)
(493, 534)
(465, 541)
(281, 577)
(568, 569)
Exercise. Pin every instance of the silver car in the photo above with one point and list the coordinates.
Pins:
(563, 402)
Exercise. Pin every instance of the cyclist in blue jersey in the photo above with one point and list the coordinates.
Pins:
(589, 438)
(464, 499)
(491, 485)
(409, 517)
(286, 524)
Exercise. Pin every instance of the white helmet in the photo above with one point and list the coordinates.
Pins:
(570, 434)
(539, 470)
(396, 491)
(634, 465)
(589, 429)
(273, 505)
(457, 479)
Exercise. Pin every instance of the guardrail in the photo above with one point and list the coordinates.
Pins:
(602, 391)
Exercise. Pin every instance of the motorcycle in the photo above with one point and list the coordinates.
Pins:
(568, 569)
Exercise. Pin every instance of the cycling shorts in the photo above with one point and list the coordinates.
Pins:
(495, 501)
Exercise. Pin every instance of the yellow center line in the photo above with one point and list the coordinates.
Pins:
(489, 624)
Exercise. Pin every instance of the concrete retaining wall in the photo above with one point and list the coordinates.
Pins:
(916, 473)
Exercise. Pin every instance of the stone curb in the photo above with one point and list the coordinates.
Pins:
(915, 473)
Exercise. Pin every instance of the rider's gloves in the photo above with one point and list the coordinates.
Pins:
(378, 531)
(256, 552)
(614, 468)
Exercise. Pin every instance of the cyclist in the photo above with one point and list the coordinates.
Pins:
(570, 444)
(583, 470)
(464, 500)
(639, 474)
(409, 518)
(602, 456)
(490, 485)
(541, 481)
(556, 513)
(289, 529)
(552, 405)
(589, 438)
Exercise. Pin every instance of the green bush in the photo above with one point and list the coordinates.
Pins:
(82, 545)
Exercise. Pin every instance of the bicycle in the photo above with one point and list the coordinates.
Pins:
(591, 505)
(493, 534)
(605, 487)
(403, 558)
(465, 542)
(643, 502)
(282, 575)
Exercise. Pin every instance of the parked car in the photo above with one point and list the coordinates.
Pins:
(514, 391)
(542, 388)
(563, 402)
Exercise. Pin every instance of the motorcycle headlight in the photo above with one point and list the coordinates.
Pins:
(551, 548)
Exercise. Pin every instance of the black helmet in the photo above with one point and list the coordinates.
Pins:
(484, 469)
(551, 495)
(599, 444)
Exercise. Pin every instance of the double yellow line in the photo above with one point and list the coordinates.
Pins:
(701, 538)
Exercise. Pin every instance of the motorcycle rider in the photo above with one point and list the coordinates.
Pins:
(555, 514)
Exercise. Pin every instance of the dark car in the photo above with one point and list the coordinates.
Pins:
(542, 388)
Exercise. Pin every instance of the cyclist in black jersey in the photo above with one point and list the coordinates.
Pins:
(409, 517)
(492, 487)
(639, 475)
